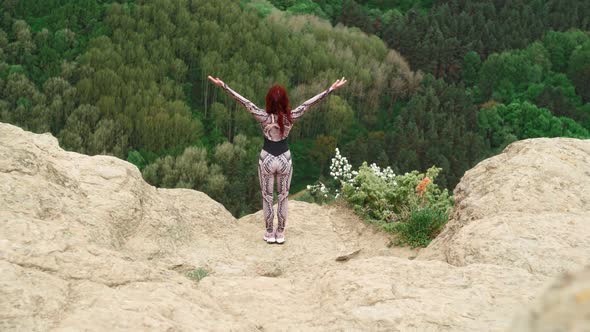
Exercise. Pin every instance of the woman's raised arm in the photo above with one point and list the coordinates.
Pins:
(301, 109)
(258, 113)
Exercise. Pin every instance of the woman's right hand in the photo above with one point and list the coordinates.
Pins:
(338, 84)
(217, 81)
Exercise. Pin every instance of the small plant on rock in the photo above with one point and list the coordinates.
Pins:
(197, 274)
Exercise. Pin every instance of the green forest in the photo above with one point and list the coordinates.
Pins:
(430, 82)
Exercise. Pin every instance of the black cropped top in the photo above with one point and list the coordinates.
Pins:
(275, 148)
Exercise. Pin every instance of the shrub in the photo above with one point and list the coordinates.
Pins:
(410, 205)
(423, 226)
(319, 194)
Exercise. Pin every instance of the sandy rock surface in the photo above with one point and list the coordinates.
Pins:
(86, 244)
(564, 307)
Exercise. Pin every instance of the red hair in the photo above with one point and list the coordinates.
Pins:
(277, 102)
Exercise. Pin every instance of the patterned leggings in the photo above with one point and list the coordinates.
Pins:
(270, 166)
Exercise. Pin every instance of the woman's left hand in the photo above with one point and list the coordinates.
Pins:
(338, 83)
(217, 81)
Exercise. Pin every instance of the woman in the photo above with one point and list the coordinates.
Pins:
(275, 158)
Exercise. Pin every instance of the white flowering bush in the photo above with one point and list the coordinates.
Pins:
(410, 205)
(341, 170)
(319, 189)
(386, 174)
(318, 193)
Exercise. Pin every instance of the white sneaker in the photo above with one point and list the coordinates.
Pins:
(279, 237)
(269, 237)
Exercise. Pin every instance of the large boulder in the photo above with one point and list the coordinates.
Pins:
(527, 207)
(87, 244)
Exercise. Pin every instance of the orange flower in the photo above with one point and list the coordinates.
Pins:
(421, 187)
